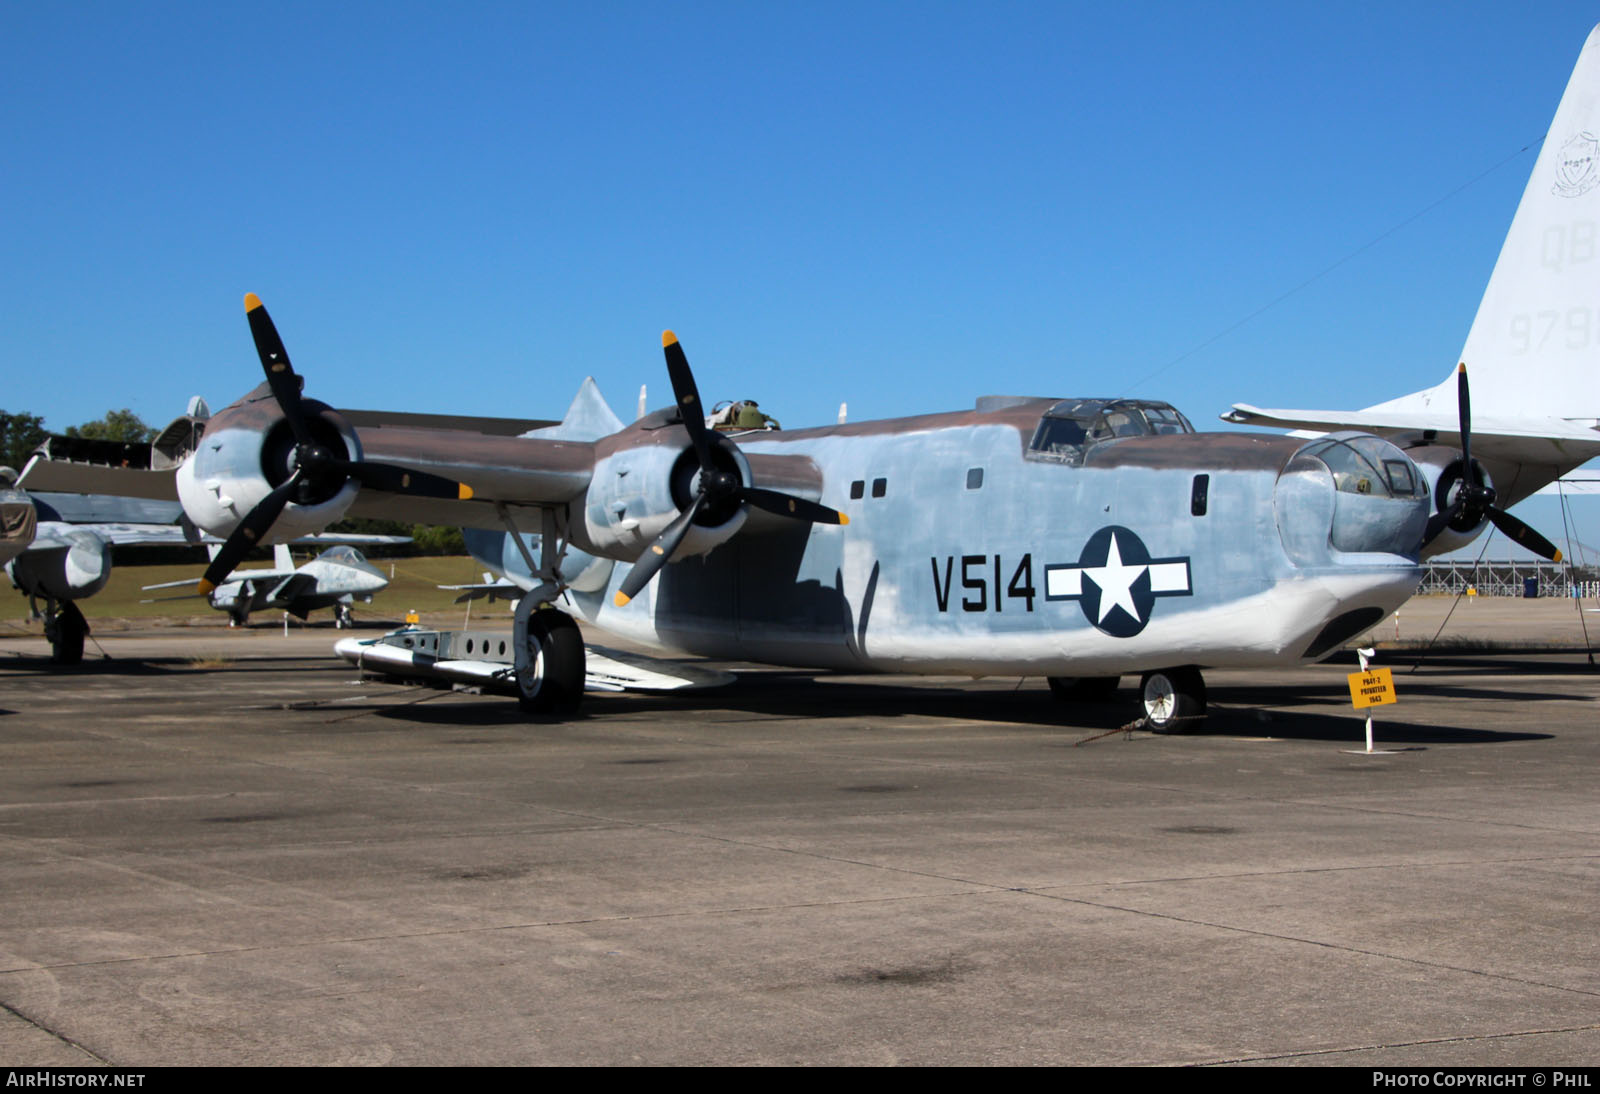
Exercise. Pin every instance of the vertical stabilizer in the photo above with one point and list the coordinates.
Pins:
(587, 419)
(1534, 347)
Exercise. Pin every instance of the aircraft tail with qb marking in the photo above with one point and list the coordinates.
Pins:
(1533, 352)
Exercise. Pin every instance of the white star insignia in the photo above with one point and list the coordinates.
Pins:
(1116, 582)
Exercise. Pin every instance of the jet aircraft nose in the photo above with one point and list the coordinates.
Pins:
(1350, 494)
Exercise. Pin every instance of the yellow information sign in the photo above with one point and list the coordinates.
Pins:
(1371, 688)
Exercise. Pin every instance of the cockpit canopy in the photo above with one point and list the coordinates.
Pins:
(345, 554)
(1071, 427)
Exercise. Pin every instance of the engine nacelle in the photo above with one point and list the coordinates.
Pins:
(636, 492)
(72, 574)
(1443, 467)
(248, 451)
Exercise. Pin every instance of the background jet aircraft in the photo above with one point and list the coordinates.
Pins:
(335, 579)
(1080, 539)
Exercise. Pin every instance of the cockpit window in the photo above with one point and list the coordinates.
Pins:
(1072, 426)
(1363, 464)
(343, 553)
(1059, 437)
(1165, 419)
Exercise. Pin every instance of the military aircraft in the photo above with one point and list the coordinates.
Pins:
(58, 533)
(68, 557)
(1078, 539)
(335, 579)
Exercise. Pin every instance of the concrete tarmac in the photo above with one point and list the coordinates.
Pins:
(222, 848)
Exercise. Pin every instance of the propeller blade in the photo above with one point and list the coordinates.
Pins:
(281, 376)
(1476, 499)
(786, 505)
(1520, 533)
(256, 523)
(403, 480)
(688, 398)
(715, 486)
(657, 554)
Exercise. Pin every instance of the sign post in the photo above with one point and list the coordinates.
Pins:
(1369, 688)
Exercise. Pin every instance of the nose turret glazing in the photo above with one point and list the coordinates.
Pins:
(1350, 494)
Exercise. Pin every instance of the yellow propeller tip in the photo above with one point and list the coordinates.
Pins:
(1557, 558)
(464, 492)
(668, 339)
(1462, 367)
(621, 600)
(843, 519)
(206, 587)
(251, 301)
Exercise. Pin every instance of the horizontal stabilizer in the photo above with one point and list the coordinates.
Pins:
(1534, 440)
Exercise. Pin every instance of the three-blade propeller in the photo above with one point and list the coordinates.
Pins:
(715, 486)
(312, 462)
(1475, 499)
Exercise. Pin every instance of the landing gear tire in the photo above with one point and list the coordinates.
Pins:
(1083, 689)
(69, 630)
(550, 670)
(1174, 700)
(342, 619)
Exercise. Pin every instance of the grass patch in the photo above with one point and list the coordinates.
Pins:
(210, 662)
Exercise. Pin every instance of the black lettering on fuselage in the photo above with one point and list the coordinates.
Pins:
(942, 593)
(970, 582)
(975, 580)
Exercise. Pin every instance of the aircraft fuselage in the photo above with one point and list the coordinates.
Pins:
(969, 552)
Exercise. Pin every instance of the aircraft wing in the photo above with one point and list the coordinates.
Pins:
(54, 536)
(1571, 487)
(291, 588)
(260, 577)
(1545, 441)
(51, 473)
(511, 470)
(496, 427)
(500, 589)
(499, 466)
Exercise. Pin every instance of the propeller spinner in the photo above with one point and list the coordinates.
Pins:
(716, 487)
(1475, 499)
(310, 461)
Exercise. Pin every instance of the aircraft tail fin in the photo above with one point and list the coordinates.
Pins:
(281, 558)
(1534, 347)
(588, 418)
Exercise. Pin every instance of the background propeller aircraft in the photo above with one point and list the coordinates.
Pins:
(1080, 539)
(67, 555)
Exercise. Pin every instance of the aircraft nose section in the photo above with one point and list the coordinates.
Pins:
(1350, 494)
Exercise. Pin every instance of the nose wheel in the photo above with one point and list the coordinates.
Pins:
(1174, 699)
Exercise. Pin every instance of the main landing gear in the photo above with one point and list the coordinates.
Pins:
(1174, 700)
(66, 629)
(549, 660)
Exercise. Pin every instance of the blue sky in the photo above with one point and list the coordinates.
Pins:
(901, 206)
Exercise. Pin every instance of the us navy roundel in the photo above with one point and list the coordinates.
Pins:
(1116, 582)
